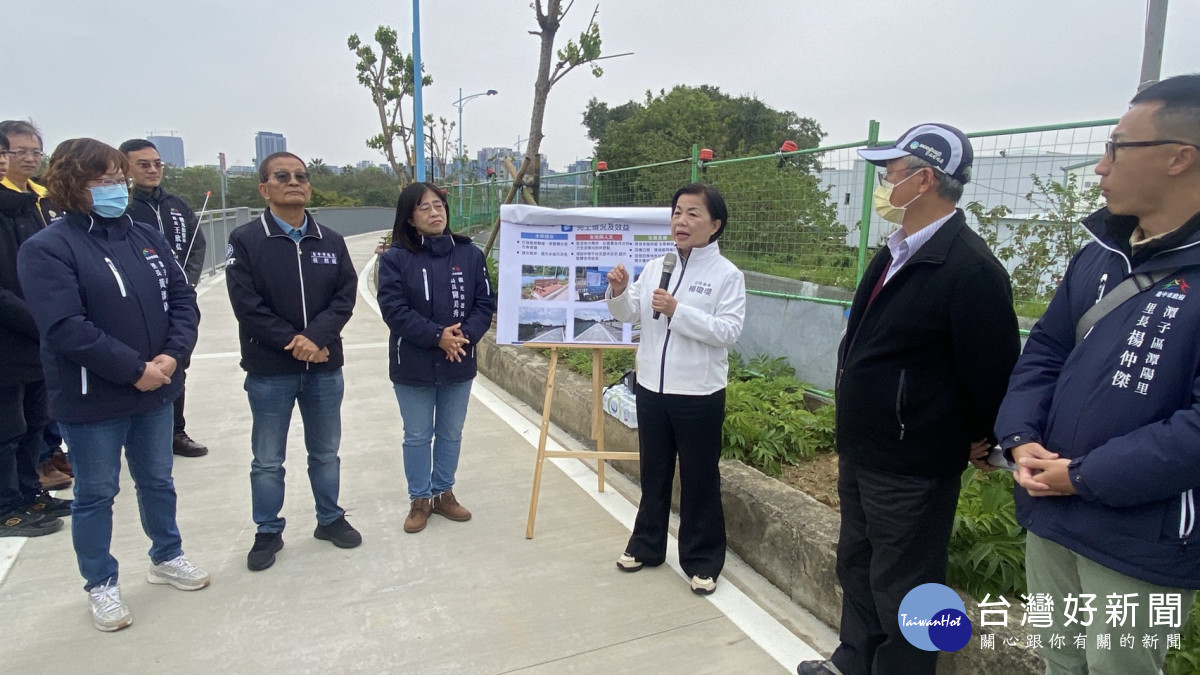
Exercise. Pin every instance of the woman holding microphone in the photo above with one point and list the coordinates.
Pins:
(683, 368)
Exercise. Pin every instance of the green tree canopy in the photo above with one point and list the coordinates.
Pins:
(663, 127)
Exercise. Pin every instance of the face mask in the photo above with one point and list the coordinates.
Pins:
(109, 201)
(882, 201)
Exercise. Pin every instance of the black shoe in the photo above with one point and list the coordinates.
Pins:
(262, 554)
(24, 523)
(51, 507)
(184, 446)
(340, 533)
(817, 668)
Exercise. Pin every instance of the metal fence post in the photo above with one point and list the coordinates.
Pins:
(695, 162)
(864, 222)
(595, 183)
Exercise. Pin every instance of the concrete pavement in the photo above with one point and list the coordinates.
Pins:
(473, 597)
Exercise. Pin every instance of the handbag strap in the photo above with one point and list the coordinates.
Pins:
(1125, 290)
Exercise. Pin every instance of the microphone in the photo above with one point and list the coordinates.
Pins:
(668, 268)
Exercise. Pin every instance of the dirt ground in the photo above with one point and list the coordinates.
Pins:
(817, 477)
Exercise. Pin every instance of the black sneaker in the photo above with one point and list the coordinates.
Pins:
(262, 554)
(51, 507)
(340, 533)
(24, 523)
(184, 446)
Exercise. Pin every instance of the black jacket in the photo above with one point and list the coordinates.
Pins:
(922, 370)
(280, 289)
(109, 298)
(176, 222)
(19, 220)
(422, 292)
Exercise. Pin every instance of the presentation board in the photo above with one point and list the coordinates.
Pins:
(554, 265)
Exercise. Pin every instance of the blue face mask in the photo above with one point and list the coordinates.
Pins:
(110, 201)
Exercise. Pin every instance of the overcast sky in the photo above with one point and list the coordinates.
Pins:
(217, 71)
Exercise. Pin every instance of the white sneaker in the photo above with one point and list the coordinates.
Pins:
(703, 585)
(627, 563)
(108, 612)
(179, 573)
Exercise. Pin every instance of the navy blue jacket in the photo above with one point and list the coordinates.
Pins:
(107, 297)
(280, 289)
(1123, 405)
(422, 292)
(177, 223)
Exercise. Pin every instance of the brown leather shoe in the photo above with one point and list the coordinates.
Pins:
(445, 504)
(60, 461)
(418, 515)
(51, 478)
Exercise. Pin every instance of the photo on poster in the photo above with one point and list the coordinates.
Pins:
(591, 282)
(596, 326)
(635, 333)
(545, 282)
(637, 271)
(542, 324)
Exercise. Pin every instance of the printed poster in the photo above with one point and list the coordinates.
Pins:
(554, 266)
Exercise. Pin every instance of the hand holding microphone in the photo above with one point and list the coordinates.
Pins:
(659, 302)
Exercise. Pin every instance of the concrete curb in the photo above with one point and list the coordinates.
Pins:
(785, 535)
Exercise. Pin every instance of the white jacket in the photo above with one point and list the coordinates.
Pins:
(686, 353)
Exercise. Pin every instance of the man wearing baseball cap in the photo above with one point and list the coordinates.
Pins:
(931, 340)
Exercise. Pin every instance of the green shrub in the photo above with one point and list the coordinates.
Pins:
(767, 420)
(987, 546)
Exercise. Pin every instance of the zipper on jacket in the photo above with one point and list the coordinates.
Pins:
(159, 217)
(425, 278)
(303, 299)
(83, 386)
(662, 361)
(900, 399)
(117, 276)
(1187, 516)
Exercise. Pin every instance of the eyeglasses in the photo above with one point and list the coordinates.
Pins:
(1111, 147)
(26, 152)
(144, 164)
(286, 177)
(107, 182)
(436, 206)
(882, 173)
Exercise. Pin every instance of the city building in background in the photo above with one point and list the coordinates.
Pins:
(267, 143)
(170, 148)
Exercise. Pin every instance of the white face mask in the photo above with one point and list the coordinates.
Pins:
(881, 199)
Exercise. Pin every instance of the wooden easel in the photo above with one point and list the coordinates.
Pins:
(599, 454)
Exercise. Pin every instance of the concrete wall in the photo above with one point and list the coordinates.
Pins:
(785, 535)
(805, 333)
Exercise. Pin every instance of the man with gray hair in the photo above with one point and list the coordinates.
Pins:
(929, 345)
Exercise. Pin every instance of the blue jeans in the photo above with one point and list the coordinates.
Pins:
(96, 458)
(437, 414)
(272, 398)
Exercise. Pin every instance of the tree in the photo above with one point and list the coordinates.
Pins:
(782, 221)
(317, 167)
(1037, 249)
(437, 138)
(570, 57)
(389, 78)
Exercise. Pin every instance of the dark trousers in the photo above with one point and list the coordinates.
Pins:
(674, 426)
(894, 534)
(23, 413)
(181, 371)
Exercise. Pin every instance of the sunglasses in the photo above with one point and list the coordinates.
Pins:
(144, 164)
(285, 177)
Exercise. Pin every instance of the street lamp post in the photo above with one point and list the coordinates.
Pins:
(462, 100)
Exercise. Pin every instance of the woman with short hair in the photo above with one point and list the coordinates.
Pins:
(116, 315)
